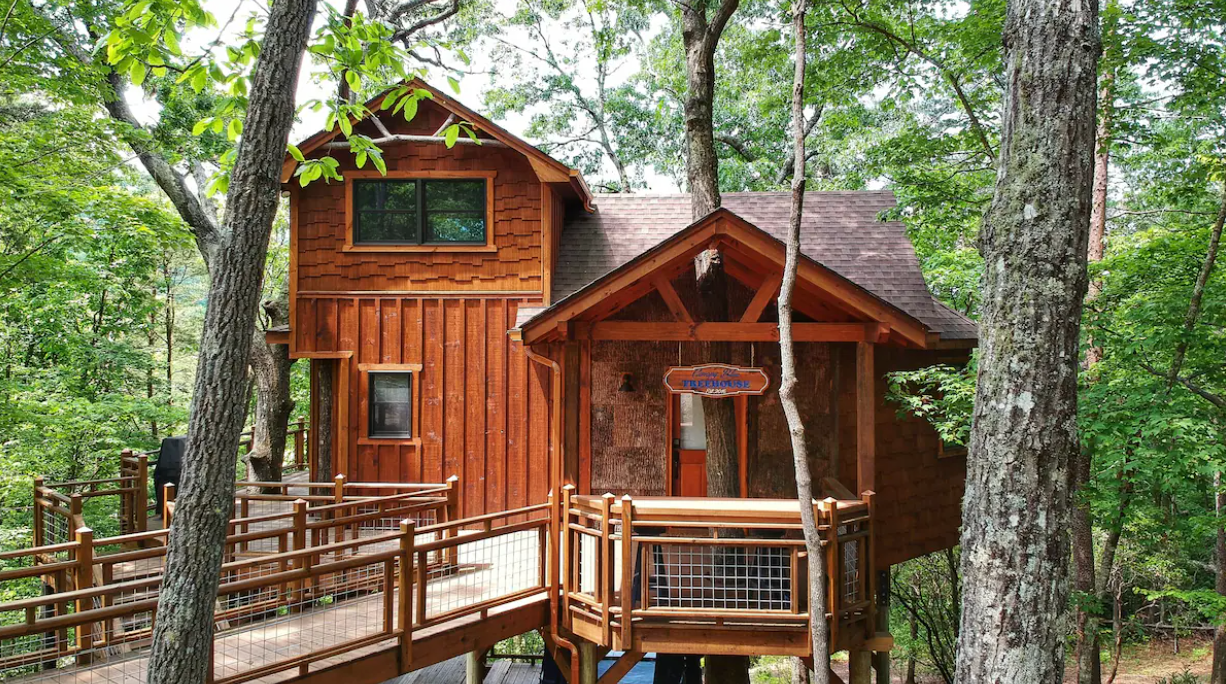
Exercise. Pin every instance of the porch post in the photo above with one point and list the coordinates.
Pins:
(881, 659)
(588, 662)
(866, 406)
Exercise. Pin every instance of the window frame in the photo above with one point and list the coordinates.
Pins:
(367, 371)
(352, 218)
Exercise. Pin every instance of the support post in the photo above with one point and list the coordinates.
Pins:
(866, 419)
(587, 662)
(84, 580)
(474, 667)
(881, 659)
(858, 667)
(408, 531)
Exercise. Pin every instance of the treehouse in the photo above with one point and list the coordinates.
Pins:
(478, 319)
(478, 312)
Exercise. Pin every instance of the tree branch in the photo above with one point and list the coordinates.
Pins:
(1198, 292)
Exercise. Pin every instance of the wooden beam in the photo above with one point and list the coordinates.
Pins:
(763, 297)
(624, 331)
(621, 667)
(866, 407)
(276, 336)
(665, 288)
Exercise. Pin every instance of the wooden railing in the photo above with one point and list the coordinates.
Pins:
(642, 574)
(323, 581)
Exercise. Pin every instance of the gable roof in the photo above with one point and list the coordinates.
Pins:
(839, 230)
(548, 169)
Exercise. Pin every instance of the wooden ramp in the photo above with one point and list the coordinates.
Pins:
(330, 593)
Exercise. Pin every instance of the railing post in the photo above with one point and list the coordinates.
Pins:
(142, 493)
(562, 560)
(408, 531)
(127, 500)
(84, 580)
(300, 562)
(299, 440)
(830, 509)
(338, 489)
(627, 584)
(77, 508)
(168, 498)
(38, 513)
(866, 566)
(605, 567)
(452, 512)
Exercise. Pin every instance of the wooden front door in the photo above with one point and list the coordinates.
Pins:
(689, 446)
(688, 430)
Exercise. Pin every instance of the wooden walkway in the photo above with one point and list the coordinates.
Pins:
(321, 588)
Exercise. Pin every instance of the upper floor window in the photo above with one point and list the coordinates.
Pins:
(420, 212)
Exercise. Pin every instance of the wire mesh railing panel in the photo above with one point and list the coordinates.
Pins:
(585, 556)
(310, 620)
(484, 571)
(714, 577)
(850, 580)
(107, 649)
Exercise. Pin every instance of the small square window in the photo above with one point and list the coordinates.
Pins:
(390, 405)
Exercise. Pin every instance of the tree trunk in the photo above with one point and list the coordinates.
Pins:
(183, 634)
(1086, 650)
(1015, 545)
(1218, 675)
(325, 398)
(819, 630)
(700, 37)
(270, 371)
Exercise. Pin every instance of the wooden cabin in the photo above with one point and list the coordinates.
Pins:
(478, 312)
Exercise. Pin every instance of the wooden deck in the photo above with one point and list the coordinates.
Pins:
(365, 583)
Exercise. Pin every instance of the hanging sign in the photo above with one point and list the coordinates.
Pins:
(716, 380)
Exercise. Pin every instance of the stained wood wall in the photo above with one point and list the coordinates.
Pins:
(481, 407)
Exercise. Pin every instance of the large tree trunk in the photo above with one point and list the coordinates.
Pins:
(819, 630)
(1015, 543)
(700, 36)
(183, 633)
(270, 374)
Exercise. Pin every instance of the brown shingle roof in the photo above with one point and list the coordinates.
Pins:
(840, 230)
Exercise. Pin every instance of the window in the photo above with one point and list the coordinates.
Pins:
(391, 407)
(420, 212)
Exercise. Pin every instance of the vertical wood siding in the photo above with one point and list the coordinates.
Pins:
(482, 408)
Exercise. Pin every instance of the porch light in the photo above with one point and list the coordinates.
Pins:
(627, 384)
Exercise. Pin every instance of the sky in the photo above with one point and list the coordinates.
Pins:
(472, 85)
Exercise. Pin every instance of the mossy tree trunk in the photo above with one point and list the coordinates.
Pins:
(1015, 541)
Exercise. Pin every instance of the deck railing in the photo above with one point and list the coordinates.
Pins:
(690, 564)
(324, 582)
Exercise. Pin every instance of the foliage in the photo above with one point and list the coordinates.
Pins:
(942, 395)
